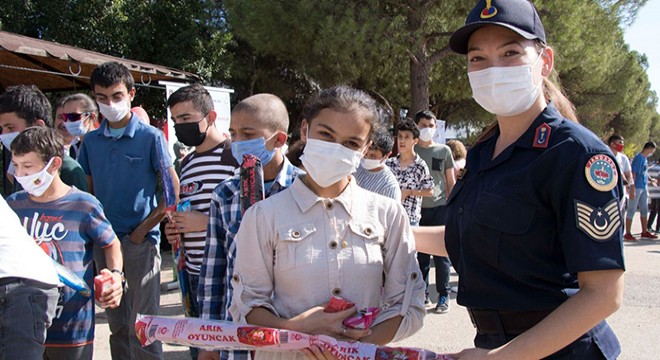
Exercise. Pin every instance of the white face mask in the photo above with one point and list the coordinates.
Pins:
(426, 134)
(76, 128)
(8, 138)
(36, 184)
(328, 162)
(370, 164)
(114, 112)
(505, 91)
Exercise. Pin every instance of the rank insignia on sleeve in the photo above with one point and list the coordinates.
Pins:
(601, 172)
(599, 223)
(542, 136)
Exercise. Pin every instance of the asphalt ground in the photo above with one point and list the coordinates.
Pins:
(637, 323)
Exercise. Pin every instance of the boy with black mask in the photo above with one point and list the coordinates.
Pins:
(201, 171)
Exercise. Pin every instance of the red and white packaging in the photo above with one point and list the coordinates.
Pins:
(223, 335)
(101, 283)
(362, 320)
(337, 304)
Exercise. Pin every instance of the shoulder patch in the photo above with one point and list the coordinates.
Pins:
(542, 136)
(601, 172)
(598, 223)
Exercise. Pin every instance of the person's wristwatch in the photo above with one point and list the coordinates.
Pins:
(123, 278)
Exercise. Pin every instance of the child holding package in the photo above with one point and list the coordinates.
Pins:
(334, 239)
(66, 223)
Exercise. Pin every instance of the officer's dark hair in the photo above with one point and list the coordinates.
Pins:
(344, 99)
(196, 93)
(649, 145)
(408, 125)
(44, 141)
(382, 141)
(29, 104)
(111, 73)
(424, 114)
(613, 138)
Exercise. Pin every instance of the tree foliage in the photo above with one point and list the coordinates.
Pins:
(396, 49)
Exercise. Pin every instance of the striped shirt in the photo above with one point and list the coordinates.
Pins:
(66, 229)
(381, 182)
(654, 173)
(200, 174)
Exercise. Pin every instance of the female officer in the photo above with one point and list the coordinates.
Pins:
(534, 224)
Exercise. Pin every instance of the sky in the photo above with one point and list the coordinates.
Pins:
(642, 36)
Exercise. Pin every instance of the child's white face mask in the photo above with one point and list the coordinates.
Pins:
(37, 183)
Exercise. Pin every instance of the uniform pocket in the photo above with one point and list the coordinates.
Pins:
(509, 216)
(290, 251)
(367, 240)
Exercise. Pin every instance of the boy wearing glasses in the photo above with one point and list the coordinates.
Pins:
(21, 107)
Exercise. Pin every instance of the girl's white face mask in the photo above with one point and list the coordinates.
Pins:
(505, 91)
(328, 162)
(37, 183)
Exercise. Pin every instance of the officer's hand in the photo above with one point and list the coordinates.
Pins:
(190, 221)
(208, 355)
(171, 233)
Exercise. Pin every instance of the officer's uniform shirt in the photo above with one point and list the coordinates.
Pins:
(521, 226)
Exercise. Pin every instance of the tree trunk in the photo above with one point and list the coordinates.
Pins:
(419, 82)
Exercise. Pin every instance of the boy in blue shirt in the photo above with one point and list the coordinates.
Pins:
(123, 159)
(66, 223)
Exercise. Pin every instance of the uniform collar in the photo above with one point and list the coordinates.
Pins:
(306, 199)
(533, 138)
(129, 131)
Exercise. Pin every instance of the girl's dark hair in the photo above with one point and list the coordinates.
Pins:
(344, 99)
(44, 141)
